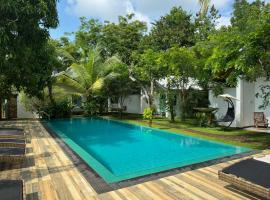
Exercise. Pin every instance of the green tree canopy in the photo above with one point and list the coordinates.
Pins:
(24, 50)
(146, 72)
(123, 38)
(241, 50)
(89, 34)
(183, 70)
(175, 28)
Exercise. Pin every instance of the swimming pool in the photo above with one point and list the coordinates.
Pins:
(119, 151)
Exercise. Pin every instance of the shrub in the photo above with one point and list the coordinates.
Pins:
(202, 119)
(91, 108)
(148, 115)
(57, 110)
(205, 119)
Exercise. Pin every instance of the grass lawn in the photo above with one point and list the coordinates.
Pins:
(250, 139)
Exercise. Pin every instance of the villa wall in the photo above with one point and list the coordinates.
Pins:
(258, 101)
(246, 105)
(22, 113)
(136, 104)
(219, 103)
(133, 103)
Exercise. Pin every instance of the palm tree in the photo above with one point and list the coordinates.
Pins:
(87, 76)
(204, 7)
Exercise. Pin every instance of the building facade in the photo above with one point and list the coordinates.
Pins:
(246, 104)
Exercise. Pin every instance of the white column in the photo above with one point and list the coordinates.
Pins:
(239, 104)
(245, 93)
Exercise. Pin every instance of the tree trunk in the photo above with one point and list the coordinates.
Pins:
(172, 113)
(170, 102)
(50, 91)
(0, 109)
(121, 108)
(151, 96)
(183, 104)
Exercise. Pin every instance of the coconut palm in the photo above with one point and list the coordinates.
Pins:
(87, 76)
(204, 7)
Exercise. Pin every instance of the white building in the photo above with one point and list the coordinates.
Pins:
(135, 104)
(246, 104)
(13, 108)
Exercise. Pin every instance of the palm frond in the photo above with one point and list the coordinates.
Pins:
(80, 74)
(65, 54)
(69, 84)
(204, 7)
(93, 62)
(110, 65)
(61, 94)
(98, 85)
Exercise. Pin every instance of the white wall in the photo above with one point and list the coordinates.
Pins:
(222, 105)
(144, 104)
(258, 101)
(247, 104)
(133, 103)
(22, 113)
(136, 104)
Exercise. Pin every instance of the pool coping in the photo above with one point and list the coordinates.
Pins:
(101, 186)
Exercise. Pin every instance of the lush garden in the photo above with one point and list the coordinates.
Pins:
(101, 60)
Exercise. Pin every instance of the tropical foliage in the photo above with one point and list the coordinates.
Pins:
(25, 55)
(116, 59)
(87, 76)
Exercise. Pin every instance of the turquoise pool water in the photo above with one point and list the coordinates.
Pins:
(119, 151)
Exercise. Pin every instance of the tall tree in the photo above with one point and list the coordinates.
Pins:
(146, 72)
(89, 34)
(23, 43)
(122, 38)
(206, 22)
(174, 29)
(182, 63)
(204, 7)
(67, 51)
(54, 64)
(118, 85)
(242, 49)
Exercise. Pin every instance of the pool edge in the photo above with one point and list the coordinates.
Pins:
(98, 181)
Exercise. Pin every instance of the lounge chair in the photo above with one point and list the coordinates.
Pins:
(252, 175)
(11, 133)
(12, 154)
(260, 120)
(230, 115)
(12, 190)
(12, 142)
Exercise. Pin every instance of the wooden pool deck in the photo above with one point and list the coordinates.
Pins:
(50, 174)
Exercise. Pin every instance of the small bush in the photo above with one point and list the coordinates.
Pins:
(148, 115)
(202, 119)
(91, 108)
(57, 110)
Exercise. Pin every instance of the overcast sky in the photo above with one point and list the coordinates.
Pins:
(145, 10)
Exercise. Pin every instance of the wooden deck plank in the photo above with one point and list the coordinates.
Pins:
(190, 188)
(54, 176)
(183, 192)
(129, 195)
